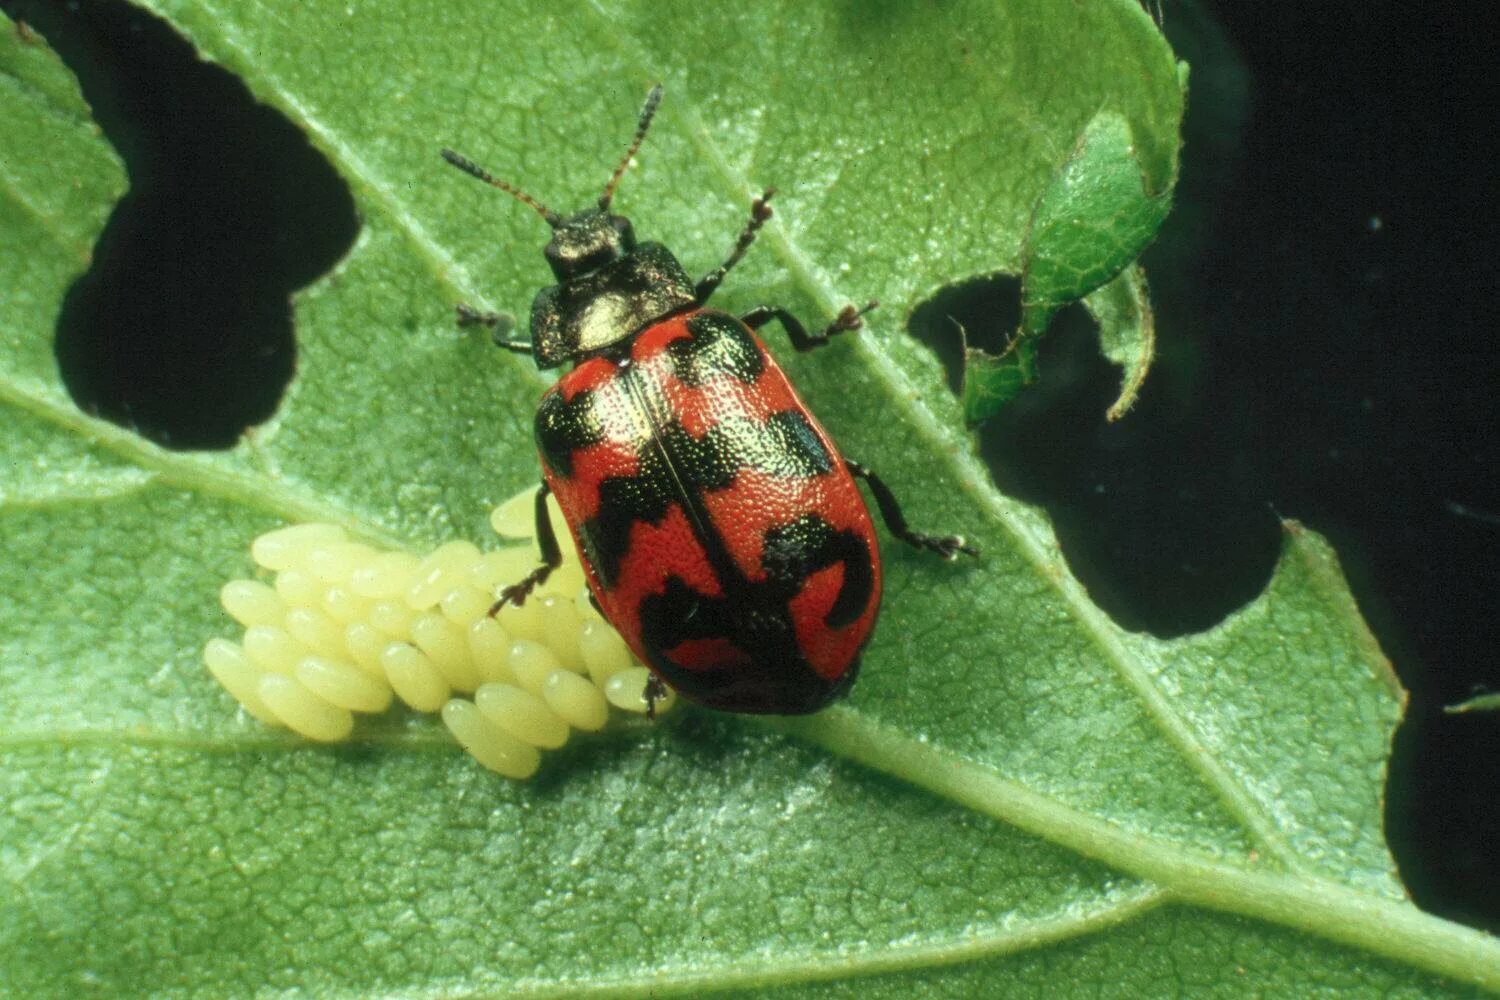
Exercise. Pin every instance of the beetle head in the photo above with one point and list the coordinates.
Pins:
(607, 287)
(587, 241)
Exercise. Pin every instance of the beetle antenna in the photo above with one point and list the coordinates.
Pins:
(648, 111)
(473, 169)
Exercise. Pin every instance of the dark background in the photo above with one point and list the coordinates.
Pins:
(1325, 293)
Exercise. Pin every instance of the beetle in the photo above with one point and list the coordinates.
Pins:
(721, 531)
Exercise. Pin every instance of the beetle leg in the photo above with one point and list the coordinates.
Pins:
(947, 546)
(847, 319)
(499, 323)
(656, 690)
(546, 540)
(760, 211)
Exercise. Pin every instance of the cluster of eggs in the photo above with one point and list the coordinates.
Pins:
(343, 628)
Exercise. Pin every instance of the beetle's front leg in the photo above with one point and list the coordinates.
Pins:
(847, 319)
(499, 325)
(760, 211)
(546, 540)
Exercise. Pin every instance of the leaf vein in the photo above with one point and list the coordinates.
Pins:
(48, 223)
(194, 472)
(892, 958)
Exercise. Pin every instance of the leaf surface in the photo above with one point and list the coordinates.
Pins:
(1019, 798)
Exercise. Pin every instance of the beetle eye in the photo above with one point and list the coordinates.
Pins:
(624, 231)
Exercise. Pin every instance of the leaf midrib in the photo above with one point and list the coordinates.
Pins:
(1316, 905)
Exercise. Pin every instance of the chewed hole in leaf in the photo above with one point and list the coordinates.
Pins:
(182, 328)
(1164, 542)
(1167, 538)
(982, 313)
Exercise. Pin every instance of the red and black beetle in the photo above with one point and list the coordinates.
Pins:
(722, 533)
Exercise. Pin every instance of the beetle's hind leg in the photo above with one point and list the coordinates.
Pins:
(546, 540)
(947, 546)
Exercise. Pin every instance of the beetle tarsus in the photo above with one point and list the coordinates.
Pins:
(546, 540)
(498, 323)
(760, 211)
(517, 593)
(950, 547)
(849, 318)
(469, 316)
(656, 690)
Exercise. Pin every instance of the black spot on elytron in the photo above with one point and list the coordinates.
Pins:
(776, 679)
(719, 344)
(700, 464)
(795, 551)
(564, 426)
(674, 467)
(671, 468)
(623, 502)
(799, 451)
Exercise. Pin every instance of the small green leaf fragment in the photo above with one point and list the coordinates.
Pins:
(1099, 212)
(1487, 702)
(993, 380)
(1127, 332)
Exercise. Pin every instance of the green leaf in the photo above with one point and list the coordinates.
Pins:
(1097, 212)
(1127, 332)
(1019, 798)
(992, 380)
(1487, 702)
